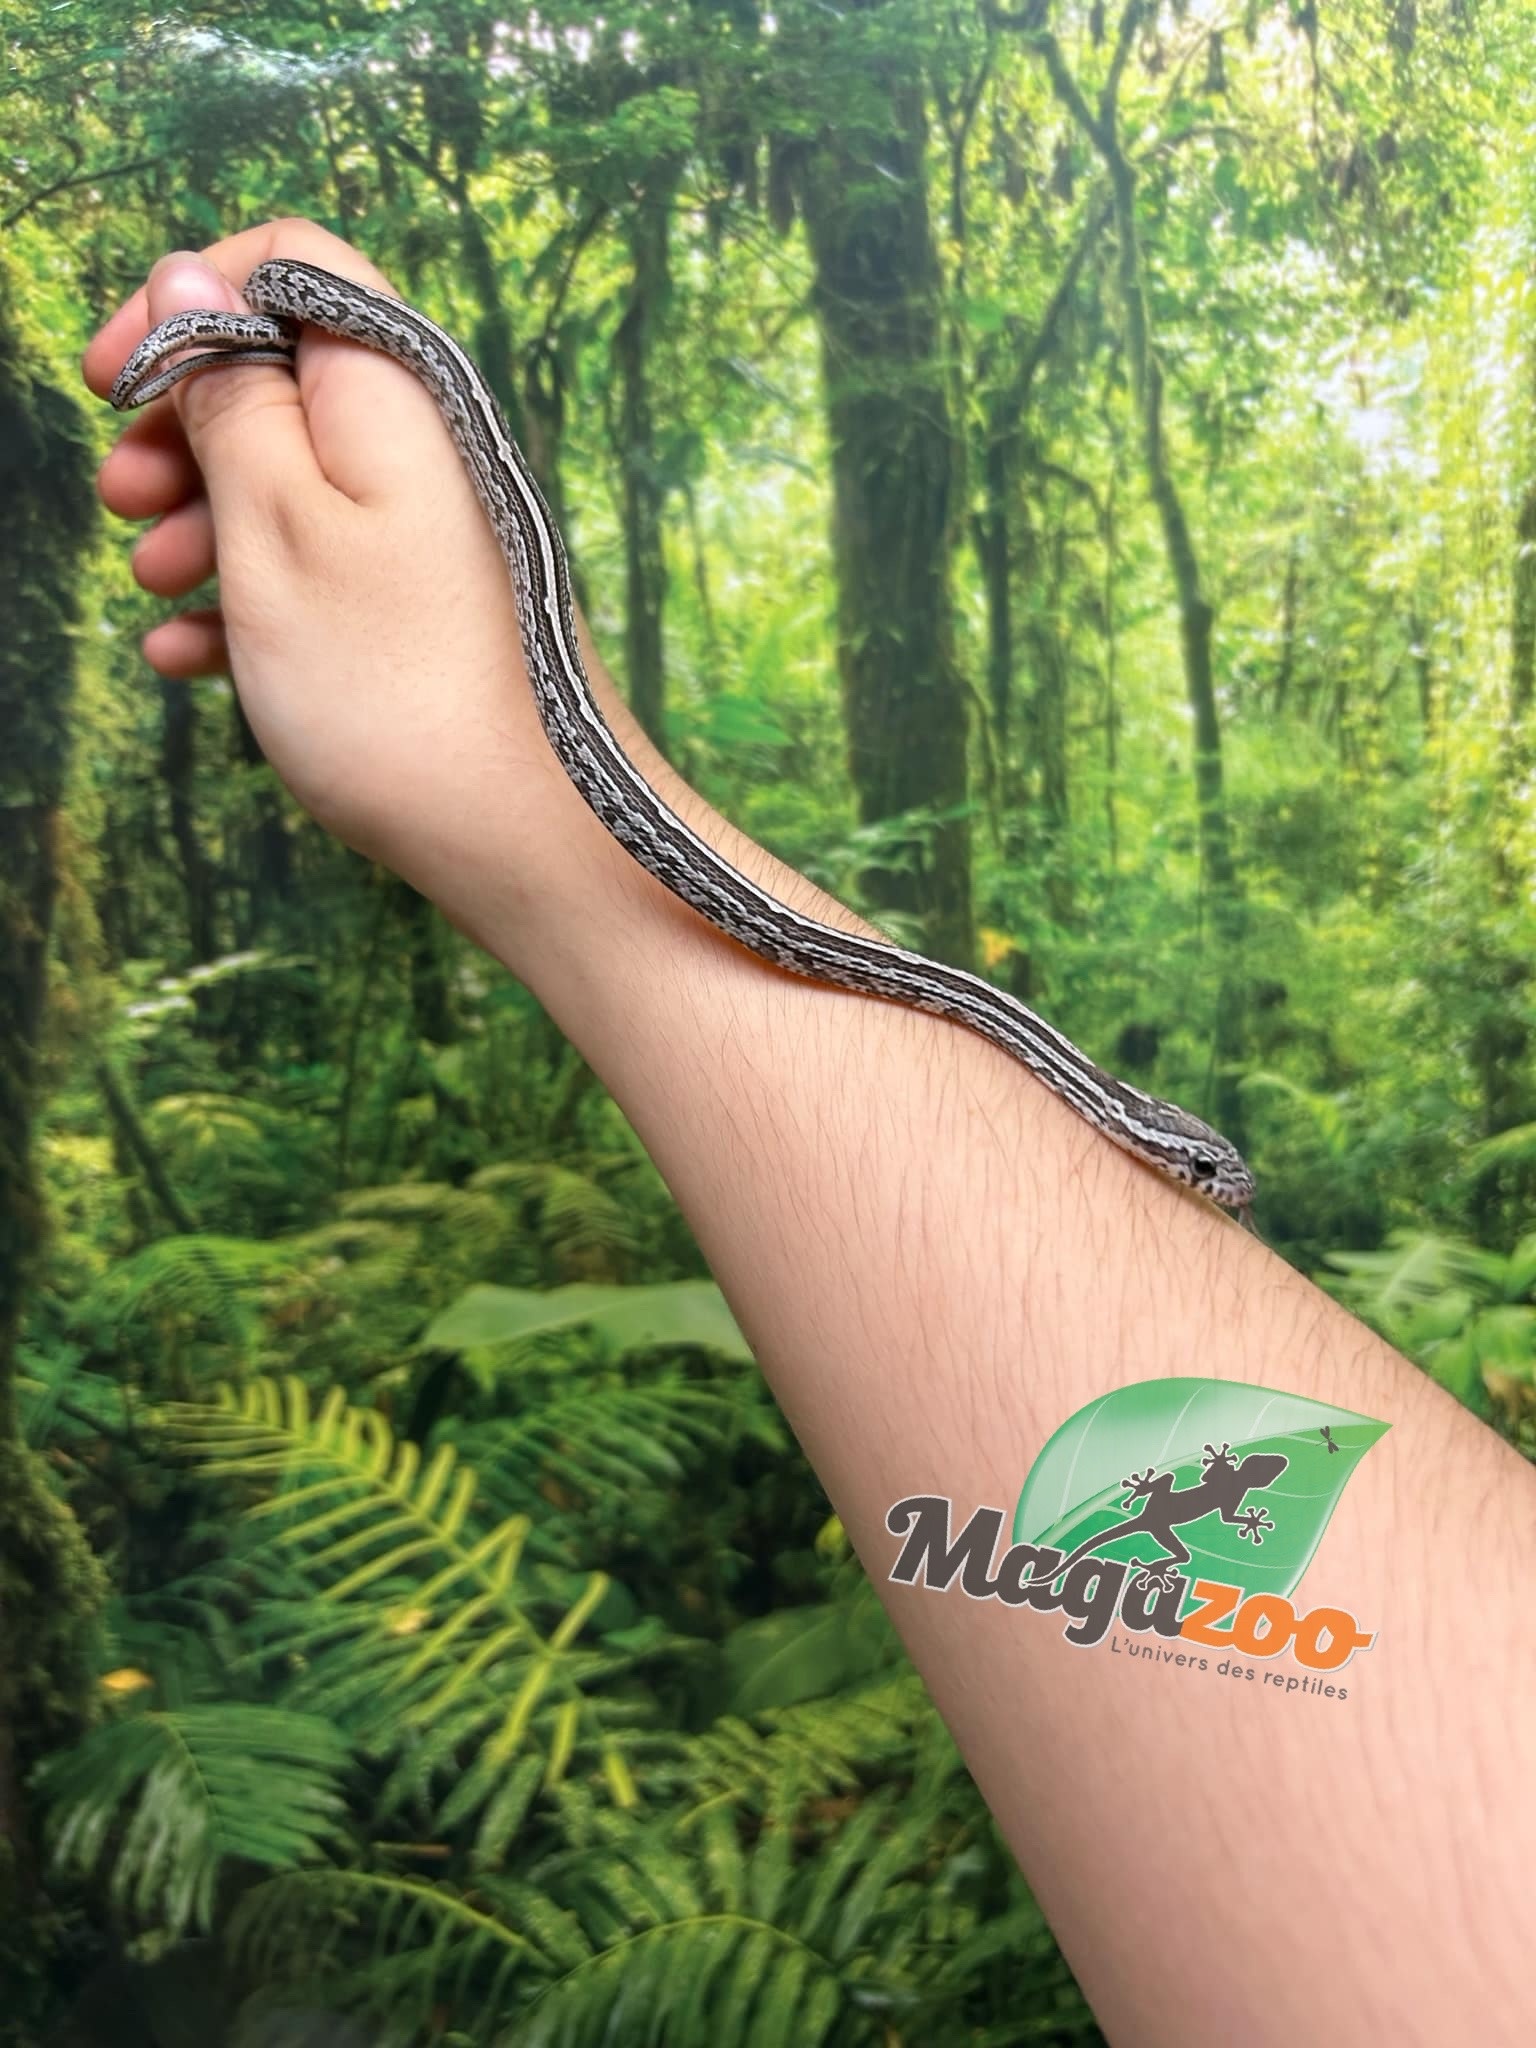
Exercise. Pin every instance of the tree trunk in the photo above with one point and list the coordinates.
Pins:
(542, 440)
(178, 761)
(266, 855)
(1196, 614)
(1005, 406)
(50, 1585)
(1500, 1047)
(1522, 665)
(1048, 723)
(877, 287)
(132, 1142)
(1197, 621)
(994, 552)
(1285, 667)
(645, 568)
(1112, 663)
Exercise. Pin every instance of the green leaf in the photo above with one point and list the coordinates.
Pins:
(169, 1798)
(629, 1318)
(733, 719)
(424, 1636)
(985, 316)
(801, 1653)
(1077, 1485)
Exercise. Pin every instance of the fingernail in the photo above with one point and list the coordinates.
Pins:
(182, 282)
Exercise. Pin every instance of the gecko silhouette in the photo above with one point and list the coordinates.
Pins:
(1219, 1492)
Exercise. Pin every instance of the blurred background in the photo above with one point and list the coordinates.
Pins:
(1061, 475)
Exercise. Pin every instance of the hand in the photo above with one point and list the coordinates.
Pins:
(365, 611)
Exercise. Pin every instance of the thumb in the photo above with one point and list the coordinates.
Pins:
(245, 421)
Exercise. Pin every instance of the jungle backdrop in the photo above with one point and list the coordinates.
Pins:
(1062, 475)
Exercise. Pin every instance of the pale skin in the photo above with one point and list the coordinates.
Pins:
(935, 1261)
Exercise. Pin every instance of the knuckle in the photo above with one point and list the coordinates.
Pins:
(297, 528)
(297, 236)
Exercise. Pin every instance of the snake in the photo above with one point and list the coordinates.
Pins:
(285, 295)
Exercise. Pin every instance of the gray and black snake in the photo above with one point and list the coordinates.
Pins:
(285, 295)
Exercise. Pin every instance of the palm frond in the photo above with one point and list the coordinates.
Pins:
(1413, 1267)
(1513, 1147)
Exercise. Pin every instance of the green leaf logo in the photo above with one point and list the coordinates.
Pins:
(1077, 1486)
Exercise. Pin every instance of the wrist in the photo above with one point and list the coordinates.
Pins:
(525, 868)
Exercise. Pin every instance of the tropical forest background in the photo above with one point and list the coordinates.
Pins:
(1060, 473)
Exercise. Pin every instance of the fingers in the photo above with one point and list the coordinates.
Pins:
(368, 428)
(191, 645)
(272, 459)
(151, 470)
(244, 423)
(235, 258)
(178, 554)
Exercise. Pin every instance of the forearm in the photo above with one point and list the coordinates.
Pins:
(937, 1264)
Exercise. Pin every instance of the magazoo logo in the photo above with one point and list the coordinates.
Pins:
(1181, 1508)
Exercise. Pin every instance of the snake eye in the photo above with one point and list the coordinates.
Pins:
(1203, 1166)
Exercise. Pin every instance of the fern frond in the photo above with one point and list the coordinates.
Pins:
(234, 1137)
(398, 1946)
(420, 1629)
(635, 1941)
(473, 1224)
(808, 1752)
(568, 1212)
(57, 1398)
(365, 1255)
(604, 1437)
(710, 1938)
(201, 1281)
(170, 1797)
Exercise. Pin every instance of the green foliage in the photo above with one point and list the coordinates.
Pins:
(1468, 1315)
(692, 1935)
(52, 1590)
(786, 1757)
(603, 1438)
(417, 1627)
(624, 1318)
(167, 1800)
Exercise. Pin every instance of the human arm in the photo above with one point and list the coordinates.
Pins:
(936, 1262)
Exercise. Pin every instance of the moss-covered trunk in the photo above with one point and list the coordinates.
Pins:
(1101, 127)
(49, 1583)
(645, 567)
(864, 196)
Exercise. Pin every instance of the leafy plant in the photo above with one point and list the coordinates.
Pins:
(1465, 1313)
(413, 1621)
(167, 1800)
(627, 1318)
(693, 1935)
